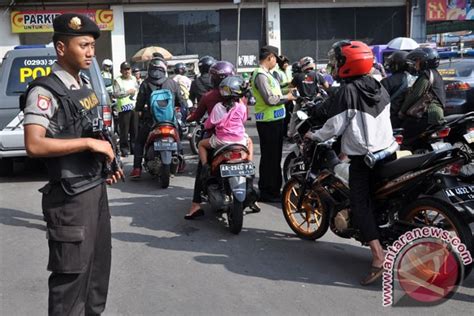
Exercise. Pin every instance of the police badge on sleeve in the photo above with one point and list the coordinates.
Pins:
(43, 102)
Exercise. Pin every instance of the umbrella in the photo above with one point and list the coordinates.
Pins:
(146, 53)
(402, 43)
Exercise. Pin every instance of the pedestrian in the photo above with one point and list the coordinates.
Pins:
(107, 75)
(284, 77)
(181, 79)
(269, 114)
(125, 90)
(138, 75)
(60, 116)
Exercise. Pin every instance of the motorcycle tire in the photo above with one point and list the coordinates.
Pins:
(235, 217)
(165, 175)
(286, 166)
(414, 214)
(195, 138)
(316, 216)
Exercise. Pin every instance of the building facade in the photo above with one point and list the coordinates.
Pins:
(298, 28)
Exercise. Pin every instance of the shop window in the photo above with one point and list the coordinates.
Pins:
(182, 33)
(311, 32)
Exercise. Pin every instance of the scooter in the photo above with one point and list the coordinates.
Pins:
(162, 157)
(229, 186)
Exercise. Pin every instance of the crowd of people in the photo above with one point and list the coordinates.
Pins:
(362, 110)
(362, 107)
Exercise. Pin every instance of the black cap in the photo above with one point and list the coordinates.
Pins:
(124, 65)
(135, 70)
(270, 49)
(73, 24)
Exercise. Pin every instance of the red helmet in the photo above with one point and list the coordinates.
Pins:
(353, 58)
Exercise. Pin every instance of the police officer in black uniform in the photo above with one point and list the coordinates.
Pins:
(62, 116)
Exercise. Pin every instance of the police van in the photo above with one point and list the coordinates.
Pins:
(19, 67)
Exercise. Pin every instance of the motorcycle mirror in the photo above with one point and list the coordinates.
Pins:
(302, 115)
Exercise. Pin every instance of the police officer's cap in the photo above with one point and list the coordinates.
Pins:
(73, 24)
(125, 66)
(270, 49)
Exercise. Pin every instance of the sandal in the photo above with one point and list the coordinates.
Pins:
(374, 274)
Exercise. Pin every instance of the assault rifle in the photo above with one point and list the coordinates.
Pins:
(102, 132)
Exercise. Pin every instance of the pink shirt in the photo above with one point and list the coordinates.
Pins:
(229, 126)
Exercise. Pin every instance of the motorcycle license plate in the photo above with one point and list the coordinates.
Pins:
(161, 146)
(469, 137)
(460, 194)
(238, 169)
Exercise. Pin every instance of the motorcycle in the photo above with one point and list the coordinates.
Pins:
(162, 157)
(458, 132)
(312, 110)
(410, 192)
(229, 186)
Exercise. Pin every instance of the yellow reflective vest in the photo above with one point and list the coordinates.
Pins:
(263, 111)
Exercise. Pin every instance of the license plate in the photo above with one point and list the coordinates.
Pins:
(469, 137)
(460, 194)
(161, 145)
(238, 169)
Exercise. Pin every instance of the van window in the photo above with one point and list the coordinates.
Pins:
(25, 69)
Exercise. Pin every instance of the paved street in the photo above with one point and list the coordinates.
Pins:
(164, 265)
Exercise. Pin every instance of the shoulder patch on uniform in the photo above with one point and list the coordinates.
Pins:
(43, 102)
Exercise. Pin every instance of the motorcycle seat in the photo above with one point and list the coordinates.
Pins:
(400, 166)
(229, 147)
(165, 123)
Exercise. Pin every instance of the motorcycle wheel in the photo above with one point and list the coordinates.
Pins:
(165, 176)
(430, 212)
(195, 138)
(312, 221)
(286, 166)
(235, 217)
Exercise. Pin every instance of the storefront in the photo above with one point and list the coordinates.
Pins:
(299, 28)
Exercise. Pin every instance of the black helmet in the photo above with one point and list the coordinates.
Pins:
(429, 57)
(219, 71)
(205, 64)
(296, 67)
(233, 87)
(157, 68)
(180, 68)
(397, 62)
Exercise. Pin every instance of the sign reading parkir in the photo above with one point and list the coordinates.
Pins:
(42, 21)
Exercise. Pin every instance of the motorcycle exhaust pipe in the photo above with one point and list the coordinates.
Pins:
(174, 165)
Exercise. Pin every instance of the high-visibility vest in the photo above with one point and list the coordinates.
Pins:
(126, 103)
(263, 111)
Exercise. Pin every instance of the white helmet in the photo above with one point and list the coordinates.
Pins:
(107, 62)
(307, 63)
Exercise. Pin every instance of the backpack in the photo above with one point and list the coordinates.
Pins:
(162, 105)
